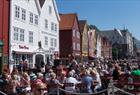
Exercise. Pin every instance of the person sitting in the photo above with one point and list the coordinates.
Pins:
(88, 80)
(54, 81)
(25, 82)
(97, 80)
(73, 80)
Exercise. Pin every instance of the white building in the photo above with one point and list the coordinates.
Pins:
(30, 23)
(128, 40)
(49, 30)
(98, 45)
(122, 39)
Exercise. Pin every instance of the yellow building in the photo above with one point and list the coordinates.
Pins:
(84, 39)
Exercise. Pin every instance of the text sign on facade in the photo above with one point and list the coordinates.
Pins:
(23, 47)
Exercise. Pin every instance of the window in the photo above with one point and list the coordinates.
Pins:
(46, 40)
(30, 37)
(78, 34)
(17, 11)
(30, 60)
(55, 42)
(23, 14)
(73, 45)
(52, 26)
(46, 23)
(36, 19)
(78, 46)
(50, 10)
(73, 33)
(16, 33)
(21, 34)
(31, 17)
(55, 28)
(51, 41)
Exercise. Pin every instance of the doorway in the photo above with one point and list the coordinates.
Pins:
(38, 60)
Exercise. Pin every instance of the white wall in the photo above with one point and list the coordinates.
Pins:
(99, 46)
(29, 7)
(48, 32)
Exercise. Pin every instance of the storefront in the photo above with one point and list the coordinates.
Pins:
(21, 53)
(22, 57)
(34, 56)
(46, 56)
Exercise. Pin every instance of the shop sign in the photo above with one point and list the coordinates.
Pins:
(23, 47)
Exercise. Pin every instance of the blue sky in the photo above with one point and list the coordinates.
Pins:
(106, 14)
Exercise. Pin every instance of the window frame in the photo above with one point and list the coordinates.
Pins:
(55, 27)
(74, 46)
(21, 35)
(50, 9)
(23, 14)
(17, 12)
(31, 37)
(51, 42)
(31, 15)
(16, 34)
(46, 24)
(52, 26)
(36, 19)
(55, 42)
(46, 41)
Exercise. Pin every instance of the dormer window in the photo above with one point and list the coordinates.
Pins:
(50, 10)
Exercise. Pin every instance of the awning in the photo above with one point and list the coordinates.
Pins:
(1, 43)
(20, 52)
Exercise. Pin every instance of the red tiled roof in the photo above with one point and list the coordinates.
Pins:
(67, 21)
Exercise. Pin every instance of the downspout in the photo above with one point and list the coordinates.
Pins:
(9, 29)
(1, 64)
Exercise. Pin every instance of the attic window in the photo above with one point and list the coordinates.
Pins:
(50, 10)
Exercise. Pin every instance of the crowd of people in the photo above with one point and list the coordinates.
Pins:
(36, 81)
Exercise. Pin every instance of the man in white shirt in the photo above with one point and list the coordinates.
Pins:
(71, 79)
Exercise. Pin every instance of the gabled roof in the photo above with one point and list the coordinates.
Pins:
(38, 6)
(41, 3)
(56, 10)
(82, 24)
(67, 21)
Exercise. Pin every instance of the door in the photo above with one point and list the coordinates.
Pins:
(38, 60)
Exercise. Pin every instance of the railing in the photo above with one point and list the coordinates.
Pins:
(110, 91)
(115, 89)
